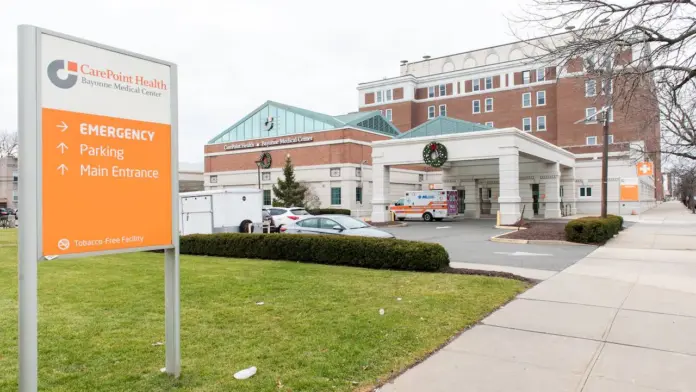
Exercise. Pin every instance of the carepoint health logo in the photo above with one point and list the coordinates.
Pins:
(70, 76)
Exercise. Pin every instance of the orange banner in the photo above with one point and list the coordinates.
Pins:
(107, 183)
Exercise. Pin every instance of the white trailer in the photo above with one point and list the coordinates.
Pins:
(233, 210)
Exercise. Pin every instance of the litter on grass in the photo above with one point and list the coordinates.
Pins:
(381, 312)
(246, 373)
(158, 344)
(259, 303)
(398, 299)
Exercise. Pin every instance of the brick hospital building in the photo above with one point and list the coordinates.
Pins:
(475, 92)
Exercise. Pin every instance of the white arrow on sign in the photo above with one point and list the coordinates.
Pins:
(522, 254)
(62, 126)
(62, 169)
(62, 147)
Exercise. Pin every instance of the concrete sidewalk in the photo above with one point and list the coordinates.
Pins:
(622, 319)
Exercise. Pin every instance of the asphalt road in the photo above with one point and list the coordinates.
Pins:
(468, 241)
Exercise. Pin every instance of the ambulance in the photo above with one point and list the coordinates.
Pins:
(427, 205)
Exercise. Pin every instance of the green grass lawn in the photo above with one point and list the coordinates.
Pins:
(319, 329)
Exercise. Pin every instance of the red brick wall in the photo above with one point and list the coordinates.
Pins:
(398, 93)
(422, 93)
(468, 86)
(301, 154)
(507, 109)
(369, 98)
(449, 89)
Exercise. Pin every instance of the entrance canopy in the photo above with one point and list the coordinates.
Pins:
(467, 143)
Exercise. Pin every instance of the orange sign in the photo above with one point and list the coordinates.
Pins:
(107, 183)
(645, 168)
(629, 193)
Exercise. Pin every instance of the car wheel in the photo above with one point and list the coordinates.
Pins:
(428, 217)
(245, 226)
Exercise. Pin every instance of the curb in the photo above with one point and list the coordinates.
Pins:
(510, 227)
(403, 224)
(507, 240)
(554, 242)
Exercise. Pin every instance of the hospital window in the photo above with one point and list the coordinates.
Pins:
(590, 115)
(379, 97)
(443, 110)
(476, 84)
(267, 197)
(489, 104)
(388, 115)
(591, 141)
(431, 112)
(585, 191)
(431, 92)
(526, 77)
(476, 106)
(541, 74)
(336, 196)
(489, 124)
(527, 100)
(489, 83)
(527, 124)
(213, 179)
(388, 95)
(541, 98)
(590, 88)
(358, 195)
(443, 90)
(541, 123)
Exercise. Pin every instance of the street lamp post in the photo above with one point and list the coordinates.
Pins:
(258, 166)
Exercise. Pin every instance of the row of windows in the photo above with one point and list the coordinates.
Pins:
(540, 76)
(591, 87)
(336, 198)
(384, 95)
(591, 115)
(441, 89)
(594, 140)
(540, 124)
(540, 99)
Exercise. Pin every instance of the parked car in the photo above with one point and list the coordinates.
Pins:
(335, 224)
(283, 216)
(4, 212)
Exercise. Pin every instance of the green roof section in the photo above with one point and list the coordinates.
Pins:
(291, 120)
(443, 126)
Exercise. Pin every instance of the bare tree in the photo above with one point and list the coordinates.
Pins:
(685, 183)
(664, 31)
(9, 144)
(678, 121)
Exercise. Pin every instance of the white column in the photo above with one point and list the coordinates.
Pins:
(473, 209)
(552, 184)
(380, 193)
(509, 173)
(570, 193)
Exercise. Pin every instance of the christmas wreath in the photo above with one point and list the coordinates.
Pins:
(435, 154)
(266, 160)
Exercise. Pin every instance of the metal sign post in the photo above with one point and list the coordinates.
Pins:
(97, 126)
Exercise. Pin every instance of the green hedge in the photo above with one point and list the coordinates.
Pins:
(329, 211)
(363, 252)
(593, 230)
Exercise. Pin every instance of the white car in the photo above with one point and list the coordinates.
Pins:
(283, 216)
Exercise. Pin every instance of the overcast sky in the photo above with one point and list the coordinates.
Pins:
(234, 55)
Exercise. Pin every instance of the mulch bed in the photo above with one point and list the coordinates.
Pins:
(539, 231)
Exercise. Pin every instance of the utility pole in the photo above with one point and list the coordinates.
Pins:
(608, 113)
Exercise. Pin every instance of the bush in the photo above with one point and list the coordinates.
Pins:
(376, 253)
(593, 230)
(329, 211)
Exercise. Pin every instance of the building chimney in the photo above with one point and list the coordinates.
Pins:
(426, 57)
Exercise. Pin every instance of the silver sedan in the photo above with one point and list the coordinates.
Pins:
(335, 224)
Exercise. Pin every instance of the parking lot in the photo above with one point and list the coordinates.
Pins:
(467, 241)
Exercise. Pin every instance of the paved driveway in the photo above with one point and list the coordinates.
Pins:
(467, 241)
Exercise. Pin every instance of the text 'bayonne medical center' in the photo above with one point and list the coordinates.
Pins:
(107, 131)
